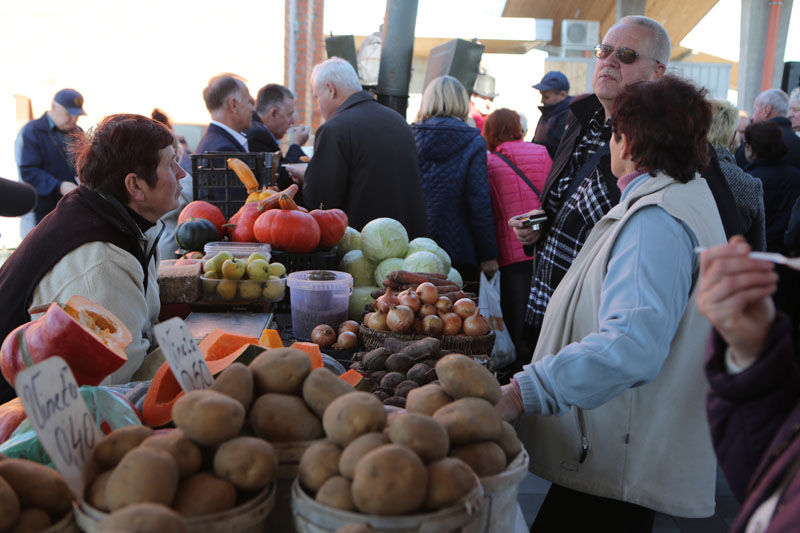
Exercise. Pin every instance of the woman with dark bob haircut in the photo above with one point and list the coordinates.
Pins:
(618, 353)
(100, 242)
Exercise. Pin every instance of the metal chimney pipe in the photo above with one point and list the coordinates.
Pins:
(396, 53)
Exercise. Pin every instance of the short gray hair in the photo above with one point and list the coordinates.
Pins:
(778, 99)
(660, 45)
(220, 88)
(338, 72)
(272, 95)
(794, 96)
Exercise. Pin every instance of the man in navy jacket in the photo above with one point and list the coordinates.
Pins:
(43, 157)
(230, 105)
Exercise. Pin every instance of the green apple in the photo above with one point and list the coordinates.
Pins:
(250, 290)
(233, 269)
(277, 269)
(258, 269)
(215, 263)
(274, 288)
(212, 274)
(255, 256)
(226, 289)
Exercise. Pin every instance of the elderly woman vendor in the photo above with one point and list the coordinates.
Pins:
(101, 240)
(620, 354)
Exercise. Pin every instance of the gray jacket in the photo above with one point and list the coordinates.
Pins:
(749, 194)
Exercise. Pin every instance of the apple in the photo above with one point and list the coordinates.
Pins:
(215, 263)
(255, 256)
(226, 289)
(250, 290)
(233, 269)
(277, 269)
(258, 269)
(274, 288)
(212, 274)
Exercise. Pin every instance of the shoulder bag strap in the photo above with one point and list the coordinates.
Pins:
(521, 175)
(587, 167)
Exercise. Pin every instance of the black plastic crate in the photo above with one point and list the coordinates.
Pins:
(214, 183)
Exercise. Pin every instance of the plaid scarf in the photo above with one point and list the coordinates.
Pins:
(572, 218)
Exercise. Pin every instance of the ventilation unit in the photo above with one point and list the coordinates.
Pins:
(579, 34)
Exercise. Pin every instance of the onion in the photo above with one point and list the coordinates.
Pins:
(426, 310)
(432, 325)
(347, 341)
(427, 292)
(323, 335)
(349, 325)
(378, 321)
(367, 317)
(385, 302)
(410, 299)
(451, 323)
(476, 324)
(464, 307)
(444, 304)
(418, 327)
(400, 319)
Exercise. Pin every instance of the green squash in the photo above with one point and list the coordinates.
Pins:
(193, 234)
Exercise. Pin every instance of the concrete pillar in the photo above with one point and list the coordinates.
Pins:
(304, 47)
(753, 45)
(630, 7)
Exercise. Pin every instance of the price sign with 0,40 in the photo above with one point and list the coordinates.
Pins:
(182, 355)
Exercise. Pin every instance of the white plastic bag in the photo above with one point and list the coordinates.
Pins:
(503, 353)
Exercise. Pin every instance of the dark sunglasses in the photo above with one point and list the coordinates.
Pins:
(625, 55)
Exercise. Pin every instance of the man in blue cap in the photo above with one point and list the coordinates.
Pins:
(555, 104)
(43, 157)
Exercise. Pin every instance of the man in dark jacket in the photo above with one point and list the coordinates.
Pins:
(555, 107)
(365, 157)
(773, 105)
(43, 158)
(231, 107)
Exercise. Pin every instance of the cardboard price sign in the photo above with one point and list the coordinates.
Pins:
(60, 417)
(182, 355)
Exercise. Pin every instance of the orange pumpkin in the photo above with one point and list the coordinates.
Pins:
(287, 229)
(12, 413)
(201, 209)
(332, 224)
(240, 227)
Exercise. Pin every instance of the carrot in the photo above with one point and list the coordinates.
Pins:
(403, 277)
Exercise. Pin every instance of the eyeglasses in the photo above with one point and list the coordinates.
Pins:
(625, 55)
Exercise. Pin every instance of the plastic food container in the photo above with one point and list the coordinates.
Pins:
(240, 250)
(244, 291)
(318, 302)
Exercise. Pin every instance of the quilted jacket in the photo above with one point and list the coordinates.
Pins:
(511, 196)
(452, 163)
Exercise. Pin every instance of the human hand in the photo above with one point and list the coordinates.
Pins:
(297, 171)
(510, 405)
(489, 267)
(301, 134)
(525, 234)
(66, 186)
(734, 294)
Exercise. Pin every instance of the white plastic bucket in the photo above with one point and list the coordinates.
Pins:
(316, 302)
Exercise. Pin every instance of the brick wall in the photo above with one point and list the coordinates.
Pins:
(309, 50)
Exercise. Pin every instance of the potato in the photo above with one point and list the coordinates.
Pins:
(96, 493)
(422, 434)
(9, 505)
(461, 376)
(208, 417)
(319, 463)
(469, 420)
(249, 463)
(485, 458)
(203, 494)
(449, 480)
(284, 418)
(116, 444)
(37, 486)
(509, 441)
(351, 415)
(144, 518)
(236, 381)
(337, 493)
(390, 481)
(357, 449)
(185, 452)
(145, 474)
(321, 387)
(427, 399)
(31, 519)
(281, 370)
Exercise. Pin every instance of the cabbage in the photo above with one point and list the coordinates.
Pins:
(350, 241)
(424, 244)
(361, 297)
(386, 266)
(383, 238)
(361, 268)
(424, 262)
(455, 277)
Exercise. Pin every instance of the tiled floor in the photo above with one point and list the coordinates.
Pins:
(533, 489)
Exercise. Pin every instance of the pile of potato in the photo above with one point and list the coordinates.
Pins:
(33, 497)
(425, 458)
(220, 454)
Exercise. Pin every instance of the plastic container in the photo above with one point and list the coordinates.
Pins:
(243, 291)
(240, 250)
(318, 302)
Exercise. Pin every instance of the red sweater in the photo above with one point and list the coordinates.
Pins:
(511, 196)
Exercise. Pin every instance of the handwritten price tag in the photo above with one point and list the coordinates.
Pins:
(59, 416)
(182, 355)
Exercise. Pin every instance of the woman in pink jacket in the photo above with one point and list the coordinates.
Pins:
(511, 196)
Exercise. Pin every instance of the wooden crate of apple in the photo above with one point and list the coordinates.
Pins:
(230, 279)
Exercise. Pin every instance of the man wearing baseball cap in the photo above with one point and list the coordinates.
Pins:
(555, 105)
(43, 156)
